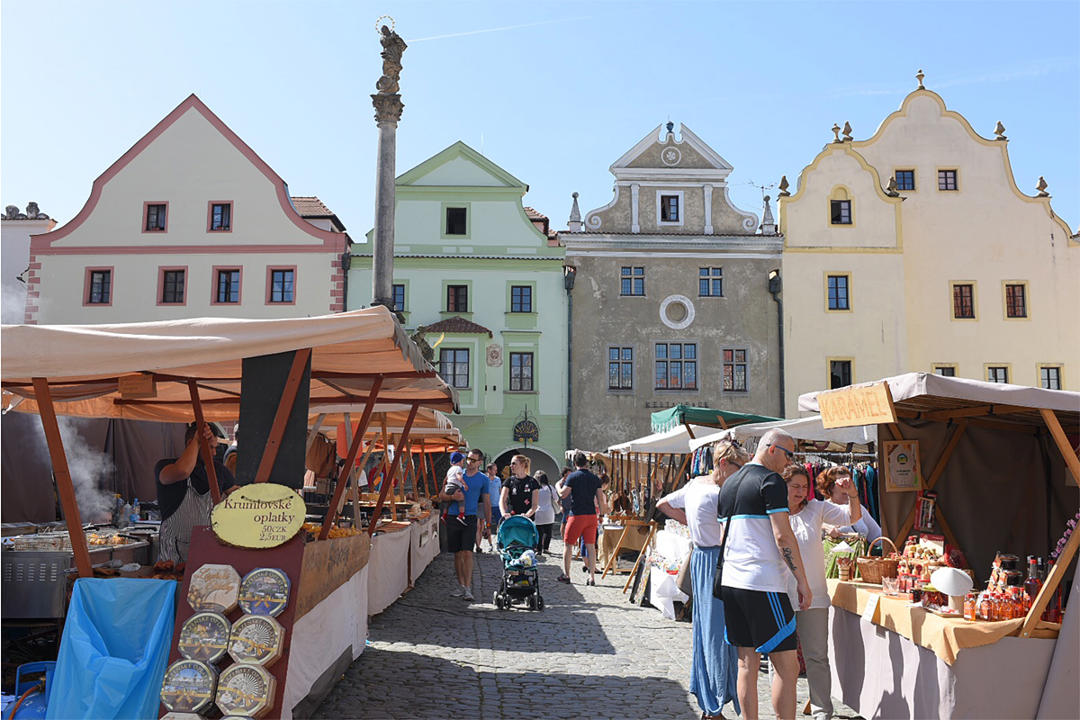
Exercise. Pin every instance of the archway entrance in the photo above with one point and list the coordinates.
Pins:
(538, 459)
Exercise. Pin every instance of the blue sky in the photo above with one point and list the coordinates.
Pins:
(554, 92)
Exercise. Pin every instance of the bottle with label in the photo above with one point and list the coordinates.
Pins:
(125, 515)
(1033, 583)
(135, 511)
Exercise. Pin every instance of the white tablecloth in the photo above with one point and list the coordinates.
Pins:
(389, 569)
(424, 544)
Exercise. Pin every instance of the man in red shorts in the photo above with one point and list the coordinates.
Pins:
(586, 499)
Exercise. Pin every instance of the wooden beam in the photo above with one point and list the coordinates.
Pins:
(1062, 443)
(977, 410)
(682, 470)
(935, 475)
(389, 481)
(643, 553)
(615, 553)
(894, 430)
(314, 432)
(945, 529)
(1053, 580)
(353, 480)
(204, 444)
(689, 431)
(64, 486)
(354, 446)
(281, 418)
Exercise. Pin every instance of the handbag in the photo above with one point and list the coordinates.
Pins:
(718, 578)
(683, 581)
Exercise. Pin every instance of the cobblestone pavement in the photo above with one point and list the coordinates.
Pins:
(589, 653)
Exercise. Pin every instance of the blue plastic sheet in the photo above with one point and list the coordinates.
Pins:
(114, 650)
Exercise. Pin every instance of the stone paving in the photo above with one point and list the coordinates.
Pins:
(589, 653)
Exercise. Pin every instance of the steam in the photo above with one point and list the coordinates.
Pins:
(13, 303)
(90, 468)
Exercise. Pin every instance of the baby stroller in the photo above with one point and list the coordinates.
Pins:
(520, 583)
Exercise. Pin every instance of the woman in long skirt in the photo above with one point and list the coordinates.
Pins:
(714, 666)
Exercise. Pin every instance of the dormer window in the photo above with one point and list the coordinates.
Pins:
(669, 208)
(841, 212)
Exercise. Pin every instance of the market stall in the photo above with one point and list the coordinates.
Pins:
(184, 370)
(988, 471)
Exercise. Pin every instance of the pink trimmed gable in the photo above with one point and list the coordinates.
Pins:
(42, 243)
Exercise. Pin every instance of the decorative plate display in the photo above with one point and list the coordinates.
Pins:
(204, 636)
(245, 689)
(264, 591)
(215, 588)
(181, 716)
(256, 639)
(188, 686)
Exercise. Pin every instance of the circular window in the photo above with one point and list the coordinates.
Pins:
(677, 312)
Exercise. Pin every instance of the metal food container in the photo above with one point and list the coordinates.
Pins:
(34, 584)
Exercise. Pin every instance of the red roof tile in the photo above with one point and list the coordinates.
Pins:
(456, 324)
(311, 207)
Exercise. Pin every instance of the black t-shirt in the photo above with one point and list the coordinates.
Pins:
(751, 558)
(172, 495)
(583, 485)
(520, 491)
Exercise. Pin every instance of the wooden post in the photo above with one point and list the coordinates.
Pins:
(683, 469)
(644, 551)
(354, 447)
(618, 546)
(389, 481)
(352, 479)
(204, 444)
(1062, 442)
(314, 432)
(935, 475)
(64, 486)
(281, 418)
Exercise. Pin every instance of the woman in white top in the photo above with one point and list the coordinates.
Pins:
(547, 501)
(812, 625)
(866, 526)
(714, 667)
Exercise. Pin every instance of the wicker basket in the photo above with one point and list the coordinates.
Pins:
(872, 569)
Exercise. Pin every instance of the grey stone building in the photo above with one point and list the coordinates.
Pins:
(671, 295)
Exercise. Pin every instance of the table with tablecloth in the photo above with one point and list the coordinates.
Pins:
(388, 575)
(423, 544)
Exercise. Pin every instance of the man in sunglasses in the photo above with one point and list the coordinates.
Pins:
(760, 551)
(461, 534)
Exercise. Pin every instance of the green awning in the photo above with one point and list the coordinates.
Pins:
(685, 414)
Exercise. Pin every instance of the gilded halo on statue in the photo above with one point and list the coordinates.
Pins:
(379, 23)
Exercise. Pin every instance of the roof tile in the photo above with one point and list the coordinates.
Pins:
(457, 324)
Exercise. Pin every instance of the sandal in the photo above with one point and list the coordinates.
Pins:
(591, 582)
(563, 579)
(718, 716)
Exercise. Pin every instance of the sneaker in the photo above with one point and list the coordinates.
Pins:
(563, 579)
(468, 594)
(457, 592)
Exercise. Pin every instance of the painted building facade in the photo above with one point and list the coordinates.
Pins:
(670, 300)
(914, 250)
(480, 278)
(189, 222)
(18, 226)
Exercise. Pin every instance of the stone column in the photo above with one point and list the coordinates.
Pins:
(388, 107)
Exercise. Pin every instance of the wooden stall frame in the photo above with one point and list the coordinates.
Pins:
(643, 553)
(628, 523)
(281, 418)
(389, 481)
(354, 447)
(931, 482)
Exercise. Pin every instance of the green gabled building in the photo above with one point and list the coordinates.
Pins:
(481, 277)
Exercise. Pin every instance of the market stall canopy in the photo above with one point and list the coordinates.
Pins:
(432, 431)
(687, 415)
(85, 364)
(807, 428)
(676, 440)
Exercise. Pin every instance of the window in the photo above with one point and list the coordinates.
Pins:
(997, 373)
(1050, 377)
(220, 217)
(963, 297)
(669, 208)
(521, 372)
(399, 297)
(282, 285)
(633, 281)
(99, 287)
(228, 286)
(710, 282)
(676, 366)
(1015, 300)
(946, 179)
(620, 368)
(172, 287)
(945, 370)
(839, 298)
(457, 298)
(456, 221)
(155, 217)
(521, 298)
(839, 373)
(841, 212)
(454, 367)
(735, 370)
(905, 179)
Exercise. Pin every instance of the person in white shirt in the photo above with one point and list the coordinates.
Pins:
(714, 663)
(546, 504)
(865, 526)
(807, 517)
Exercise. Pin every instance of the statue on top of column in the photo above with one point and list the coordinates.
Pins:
(393, 48)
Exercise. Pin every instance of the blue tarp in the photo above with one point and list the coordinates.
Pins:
(114, 650)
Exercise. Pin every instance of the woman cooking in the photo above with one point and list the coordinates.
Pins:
(183, 491)
(714, 663)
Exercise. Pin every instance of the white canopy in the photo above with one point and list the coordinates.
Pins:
(676, 440)
(807, 428)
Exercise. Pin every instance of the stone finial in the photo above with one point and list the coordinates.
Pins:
(34, 212)
(999, 130)
(919, 76)
(836, 133)
(1041, 187)
(784, 186)
(768, 222)
(891, 190)
(847, 131)
(670, 128)
(574, 224)
(11, 212)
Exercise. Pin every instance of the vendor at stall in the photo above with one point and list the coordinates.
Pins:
(183, 491)
(830, 487)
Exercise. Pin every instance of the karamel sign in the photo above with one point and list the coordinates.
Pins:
(260, 515)
(854, 406)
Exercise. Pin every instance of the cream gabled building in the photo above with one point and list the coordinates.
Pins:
(914, 250)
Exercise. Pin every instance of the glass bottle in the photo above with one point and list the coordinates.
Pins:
(1033, 584)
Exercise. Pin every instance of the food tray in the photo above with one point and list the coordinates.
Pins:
(204, 636)
(264, 591)
(246, 690)
(188, 686)
(256, 639)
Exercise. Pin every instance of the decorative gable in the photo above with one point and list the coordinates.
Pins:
(462, 167)
(672, 157)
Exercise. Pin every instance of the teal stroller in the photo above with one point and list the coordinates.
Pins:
(520, 583)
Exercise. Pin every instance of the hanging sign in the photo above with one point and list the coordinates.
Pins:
(137, 385)
(526, 430)
(902, 465)
(261, 515)
(855, 406)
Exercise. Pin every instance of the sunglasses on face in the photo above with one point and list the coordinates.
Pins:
(790, 455)
(473, 460)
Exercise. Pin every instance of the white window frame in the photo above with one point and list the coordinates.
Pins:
(681, 194)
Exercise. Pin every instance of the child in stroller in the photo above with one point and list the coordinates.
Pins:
(520, 583)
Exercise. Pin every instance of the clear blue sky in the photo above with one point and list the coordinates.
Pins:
(554, 92)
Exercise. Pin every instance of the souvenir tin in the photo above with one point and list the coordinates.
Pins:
(245, 689)
(256, 639)
(181, 716)
(264, 591)
(188, 686)
(215, 588)
(204, 636)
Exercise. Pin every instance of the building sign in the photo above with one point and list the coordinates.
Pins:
(138, 385)
(901, 465)
(261, 515)
(854, 406)
(494, 355)
(526, 430)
